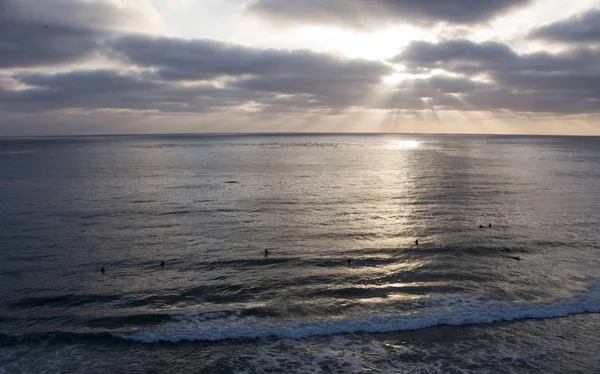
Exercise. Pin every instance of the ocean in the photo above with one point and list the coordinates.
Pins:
(298, 253)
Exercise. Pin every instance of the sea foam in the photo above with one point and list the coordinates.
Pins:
(455, 311)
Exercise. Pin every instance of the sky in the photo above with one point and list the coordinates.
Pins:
(71, 67)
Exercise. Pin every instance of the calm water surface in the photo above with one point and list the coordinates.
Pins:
(209, 206)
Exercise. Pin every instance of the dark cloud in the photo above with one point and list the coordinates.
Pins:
(278, 81)
(430, 55)
(367, 13)
(77, 89)
(530, 96)
(564, 82)
(171, 76)
(177, 75)
(179, 59)
(97, 89)
(50, 32)
(584, 28)
(97, 82)
(571, 84)
(531, 101)
(298, 84)
(330, 79)
(468, 57)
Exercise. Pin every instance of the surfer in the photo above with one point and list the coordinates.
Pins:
(162, 264)
(417, 242)
(516, 258)
(480, 226)
(266, 252)
(102, 270)
(490, 226)
(349, 261)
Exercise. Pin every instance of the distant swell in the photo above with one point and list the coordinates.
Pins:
(454, 312)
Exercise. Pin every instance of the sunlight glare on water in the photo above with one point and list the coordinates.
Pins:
(404, 144)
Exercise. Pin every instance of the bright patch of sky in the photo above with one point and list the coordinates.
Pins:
(225, 20)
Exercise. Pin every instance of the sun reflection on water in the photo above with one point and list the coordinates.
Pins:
(404, 144)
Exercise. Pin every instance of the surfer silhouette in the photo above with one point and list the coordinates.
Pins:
(266, 252)
(162, 264)
(102, 270)
(417, 242)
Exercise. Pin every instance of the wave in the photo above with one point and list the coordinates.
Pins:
(455, 311)
(256, 324)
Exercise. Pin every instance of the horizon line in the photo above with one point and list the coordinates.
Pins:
(292, 134)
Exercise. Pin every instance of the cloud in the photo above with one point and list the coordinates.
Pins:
(170, 75)
(52, 32)
(571, 84)
(326, 78)
(532, 101)
(439, 92)
(581, 28)
(181, 4)
(367, 13)
(198, 59)
(565, 82)
(109, 89)
(464, 52)
(167, 74)
(148, 90)
(469, 57)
